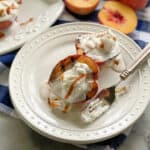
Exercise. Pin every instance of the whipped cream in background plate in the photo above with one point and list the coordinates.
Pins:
(8, 9)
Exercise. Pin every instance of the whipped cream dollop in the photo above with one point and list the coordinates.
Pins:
(75, 78)
(101, 47)
(70, 87)
(8, 8)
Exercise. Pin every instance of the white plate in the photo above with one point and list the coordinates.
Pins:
(44, 14)
(32, 67)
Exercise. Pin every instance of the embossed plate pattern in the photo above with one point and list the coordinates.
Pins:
(33, 65)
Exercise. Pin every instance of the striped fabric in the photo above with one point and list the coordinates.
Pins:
(141, 36)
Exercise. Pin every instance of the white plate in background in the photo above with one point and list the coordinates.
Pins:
(35, 61)
(43, 12)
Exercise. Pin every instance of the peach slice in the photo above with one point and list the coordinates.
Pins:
(81, 7)
(69, 61)
(118, 16)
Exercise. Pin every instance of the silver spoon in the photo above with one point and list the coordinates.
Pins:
(103, 100)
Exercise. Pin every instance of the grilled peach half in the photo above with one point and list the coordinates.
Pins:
(69, 62)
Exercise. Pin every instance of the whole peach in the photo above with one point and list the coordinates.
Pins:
(135, 4)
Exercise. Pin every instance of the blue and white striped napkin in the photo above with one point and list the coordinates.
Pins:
(141, 36)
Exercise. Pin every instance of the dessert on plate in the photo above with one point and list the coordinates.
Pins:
(73, 80)
(103, 47)
(8, 12)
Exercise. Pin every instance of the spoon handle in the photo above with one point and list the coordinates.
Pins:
(142, 57)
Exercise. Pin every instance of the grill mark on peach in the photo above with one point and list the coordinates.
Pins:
(72, 60)
(93, 91)
(73, 85)
(59, 69)
(62, 66)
